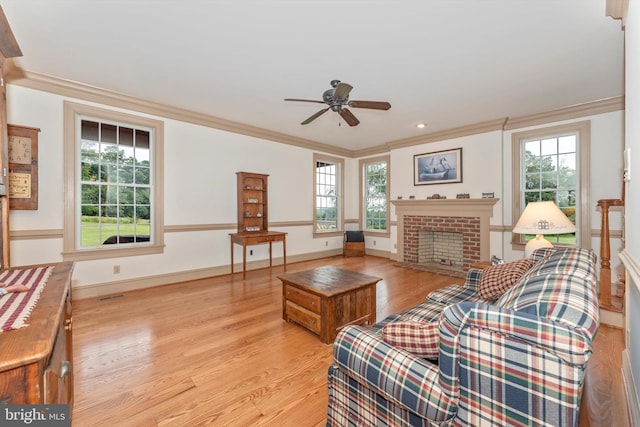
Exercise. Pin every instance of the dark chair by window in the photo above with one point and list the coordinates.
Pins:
(353, 243)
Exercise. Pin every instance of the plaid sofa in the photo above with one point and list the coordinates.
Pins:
(518, 360)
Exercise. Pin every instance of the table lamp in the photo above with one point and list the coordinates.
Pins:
(541, 218)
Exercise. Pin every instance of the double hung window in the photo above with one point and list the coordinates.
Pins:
(114, 181)
(327, 182)
(552, 165)
(375, 194)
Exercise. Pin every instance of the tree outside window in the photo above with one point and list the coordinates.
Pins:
(327, 180)
(553, 163)
(115, 184)
(551, 174)
(115, 181)
(376, 196)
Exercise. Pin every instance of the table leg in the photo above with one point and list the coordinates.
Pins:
(232, 257)
(284, 252)
(244, 261)
(270, 259)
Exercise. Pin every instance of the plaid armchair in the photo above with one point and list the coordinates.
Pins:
(518, 360)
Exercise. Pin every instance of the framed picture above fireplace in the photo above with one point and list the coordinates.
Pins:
(438, 167)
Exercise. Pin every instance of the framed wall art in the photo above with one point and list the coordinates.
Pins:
(438, 167)
(23, 167)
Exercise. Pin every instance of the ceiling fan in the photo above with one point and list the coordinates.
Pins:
(338, 98)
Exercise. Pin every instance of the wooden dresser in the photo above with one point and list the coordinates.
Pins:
(36, 360)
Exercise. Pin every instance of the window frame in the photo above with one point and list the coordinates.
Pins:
(583, 148)
(339, 198)
(363, 193)
(73, 113)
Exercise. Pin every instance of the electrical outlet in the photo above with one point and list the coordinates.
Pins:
(116, 269)
(250, 251)
(374, 243)
(326, 243)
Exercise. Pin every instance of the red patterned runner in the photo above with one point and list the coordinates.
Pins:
(16, 307)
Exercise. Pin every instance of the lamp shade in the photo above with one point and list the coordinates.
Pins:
(542, 218)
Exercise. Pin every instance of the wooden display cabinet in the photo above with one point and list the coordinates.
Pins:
(252, 202)
(253, 218)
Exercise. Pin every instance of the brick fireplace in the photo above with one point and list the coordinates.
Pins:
(468, 227)
(468, 218)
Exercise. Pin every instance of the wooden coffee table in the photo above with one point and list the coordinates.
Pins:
(326, 299)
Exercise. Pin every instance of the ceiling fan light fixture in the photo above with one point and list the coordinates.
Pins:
(337, 98)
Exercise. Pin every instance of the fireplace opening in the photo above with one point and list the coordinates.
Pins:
(442, 247)
(459, 243)
(441, 250)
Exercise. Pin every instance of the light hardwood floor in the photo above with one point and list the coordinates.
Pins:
(217, 352)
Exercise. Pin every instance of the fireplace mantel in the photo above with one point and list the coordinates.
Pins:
(459, 206)
(473, 208)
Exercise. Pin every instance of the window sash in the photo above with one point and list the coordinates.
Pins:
(121, 189)
(575, 185)
(115, 185)
(375, 202)
(549, 171)
(328, 190)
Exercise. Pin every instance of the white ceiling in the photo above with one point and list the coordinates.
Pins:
(447, 63)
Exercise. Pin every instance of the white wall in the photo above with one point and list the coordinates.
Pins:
(200, 189)
(487, 168)
(481, 173)
(631, 357)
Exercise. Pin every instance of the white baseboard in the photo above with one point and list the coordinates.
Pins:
(633, 404)
(378, 253)
(612, 318)
(121, 286)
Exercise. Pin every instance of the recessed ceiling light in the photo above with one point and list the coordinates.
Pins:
(420, 125)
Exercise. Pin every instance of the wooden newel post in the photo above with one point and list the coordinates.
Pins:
(605, 251)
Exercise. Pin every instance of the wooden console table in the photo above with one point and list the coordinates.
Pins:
(258, 238)
(36, 361)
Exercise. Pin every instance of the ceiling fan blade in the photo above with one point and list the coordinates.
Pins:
(304, 100)
(349, 117)
(315, 116)
(375, 105)
(342, 91)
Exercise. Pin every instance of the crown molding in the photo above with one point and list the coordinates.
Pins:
(458, 132)
(601, 106)
(47, 83)
(617, 9)
(371, 151)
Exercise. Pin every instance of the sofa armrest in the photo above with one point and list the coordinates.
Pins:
(399, 376)
(474, 275)
(513, 361)
(566, 343)
(453, 294)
